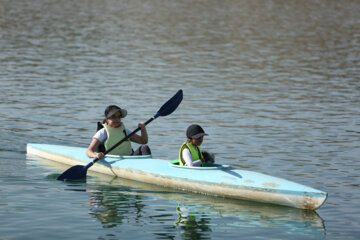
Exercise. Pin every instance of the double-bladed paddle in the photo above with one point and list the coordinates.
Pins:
(79, 171)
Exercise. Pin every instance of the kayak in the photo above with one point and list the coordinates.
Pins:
(212, 179)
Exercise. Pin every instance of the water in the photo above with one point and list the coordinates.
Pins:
(274, 83)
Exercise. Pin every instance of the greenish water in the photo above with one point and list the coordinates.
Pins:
(274, 83)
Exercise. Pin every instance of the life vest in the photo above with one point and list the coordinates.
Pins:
(114, 135)
(194, 153)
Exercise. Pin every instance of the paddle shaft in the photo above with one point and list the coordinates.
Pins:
(124, 139)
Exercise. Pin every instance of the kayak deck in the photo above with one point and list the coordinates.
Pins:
(216, 179)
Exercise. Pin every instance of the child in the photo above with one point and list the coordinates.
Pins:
(113, 131)
(190, 152)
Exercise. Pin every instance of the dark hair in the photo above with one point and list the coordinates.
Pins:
(111, 109)
(108, 109)
(195, 131)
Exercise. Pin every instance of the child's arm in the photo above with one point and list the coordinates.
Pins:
(188, 159)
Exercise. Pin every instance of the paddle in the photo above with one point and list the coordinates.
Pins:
(79, 171)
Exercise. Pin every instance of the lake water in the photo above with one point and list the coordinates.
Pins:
(276, 84)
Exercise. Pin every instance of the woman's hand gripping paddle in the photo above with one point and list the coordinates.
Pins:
(79, 171)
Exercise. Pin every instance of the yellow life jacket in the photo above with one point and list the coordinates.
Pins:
(114, 135)
(194, 153)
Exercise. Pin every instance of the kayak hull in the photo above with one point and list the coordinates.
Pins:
(218, 180)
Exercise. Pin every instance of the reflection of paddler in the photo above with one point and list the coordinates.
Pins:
(184, 219)
(107, 206)
(103, 208)
(190, 227)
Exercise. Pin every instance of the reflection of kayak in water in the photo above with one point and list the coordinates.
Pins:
(216, 179)
(190, 204)
(110, 194)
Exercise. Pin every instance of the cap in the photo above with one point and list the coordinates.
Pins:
(195, 131)
(110, 110)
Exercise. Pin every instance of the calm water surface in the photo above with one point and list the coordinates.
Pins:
(275, 84)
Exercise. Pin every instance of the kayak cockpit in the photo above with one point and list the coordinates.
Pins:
(207, 166)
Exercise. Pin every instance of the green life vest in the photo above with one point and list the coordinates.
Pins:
(114, 135)
(194, 153)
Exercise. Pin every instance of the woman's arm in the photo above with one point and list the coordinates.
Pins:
(90, 152)
(143, 138)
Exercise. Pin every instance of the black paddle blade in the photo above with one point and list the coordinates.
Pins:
(170, 105)
(74, 173)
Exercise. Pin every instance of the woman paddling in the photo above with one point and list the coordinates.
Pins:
(112, 131)
(190, 152)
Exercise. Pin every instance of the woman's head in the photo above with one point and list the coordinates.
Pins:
(113, 115)
(112, 109)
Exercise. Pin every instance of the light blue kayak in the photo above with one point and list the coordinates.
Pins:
(214, 179)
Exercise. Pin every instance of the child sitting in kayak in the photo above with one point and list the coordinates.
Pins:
(112, 131)
(190, 152)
